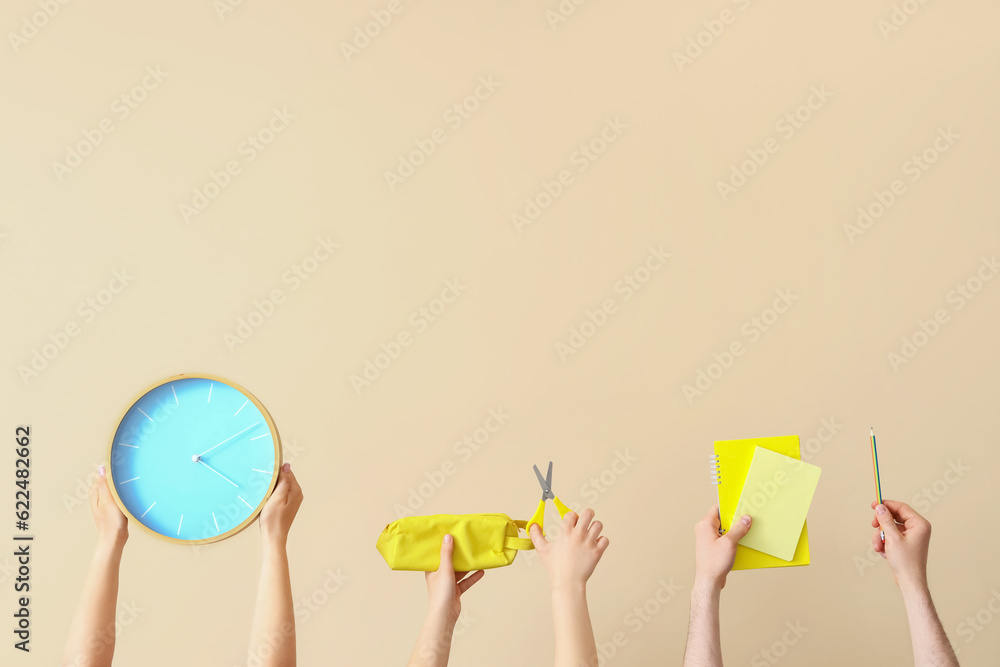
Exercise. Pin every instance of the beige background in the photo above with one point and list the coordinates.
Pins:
(359, 454)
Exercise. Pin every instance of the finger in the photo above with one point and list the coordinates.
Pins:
(595, 530)
(738, 529)
(887, 523)
(586, 516)
(537, 538)
(901, 509)
(94, 492)
(712, 518)
(602, 545)
(466, 584)
(447, 547)
(570, 519)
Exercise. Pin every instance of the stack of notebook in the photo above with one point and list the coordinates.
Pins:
(766, 478)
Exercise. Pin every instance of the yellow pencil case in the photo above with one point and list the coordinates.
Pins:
(482, 541)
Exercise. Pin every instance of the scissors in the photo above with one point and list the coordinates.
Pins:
(546, 482)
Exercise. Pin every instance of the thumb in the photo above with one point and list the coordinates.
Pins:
(738, 529)
(886, 522)
(447, 547)
(537, 537)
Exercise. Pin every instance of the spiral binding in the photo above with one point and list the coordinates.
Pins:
(715, 469)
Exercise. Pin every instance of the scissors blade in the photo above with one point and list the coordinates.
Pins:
(546, 488)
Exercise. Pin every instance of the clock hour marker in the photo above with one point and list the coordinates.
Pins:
(179, 524)
(128, 480)
(216, 521)
(173, 389)
(266, 472)
(210, 392)
(132, 446)
(147, 510)
(241, 407)
(229, 438)
(145, 415)
(245, 502)
(258, 437)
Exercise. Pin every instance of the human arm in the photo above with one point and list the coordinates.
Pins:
(714, 558)
(91, 639)
(272, 633)
(907, 541)
(570, 561)
(444, 604)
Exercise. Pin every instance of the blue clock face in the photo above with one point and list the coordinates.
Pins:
(194, 459)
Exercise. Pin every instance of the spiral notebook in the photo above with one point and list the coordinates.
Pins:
(730, 465)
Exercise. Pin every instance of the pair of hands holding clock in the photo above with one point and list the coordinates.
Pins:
(275, 518)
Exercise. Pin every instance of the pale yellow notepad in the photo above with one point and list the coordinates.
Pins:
(777, 493)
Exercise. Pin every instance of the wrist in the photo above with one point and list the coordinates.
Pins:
(914, 586)
(569, 589)
(705, 585)
(111, 546)
(442, 613)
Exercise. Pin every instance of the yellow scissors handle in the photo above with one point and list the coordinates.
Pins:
(538, 517)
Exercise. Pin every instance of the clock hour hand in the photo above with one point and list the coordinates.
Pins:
(228, 439)
(218, 473)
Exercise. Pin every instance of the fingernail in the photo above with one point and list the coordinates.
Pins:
(286, 467)
(745, 520)
(447, 539)
(101, 470)
(880, 509)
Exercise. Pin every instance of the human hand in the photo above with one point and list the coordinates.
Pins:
(571, 559)
(445, 586)
(279, 510)
(112, 526)
(907, 539)
(714, 553)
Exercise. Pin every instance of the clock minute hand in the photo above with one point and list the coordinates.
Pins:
(228, 439)
(219, 474)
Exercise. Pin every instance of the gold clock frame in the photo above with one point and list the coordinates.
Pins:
(276, 441)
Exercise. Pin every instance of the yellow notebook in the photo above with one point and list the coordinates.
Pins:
(776, 494)
(730, 464)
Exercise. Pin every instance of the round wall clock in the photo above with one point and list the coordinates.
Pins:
(194, 459)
